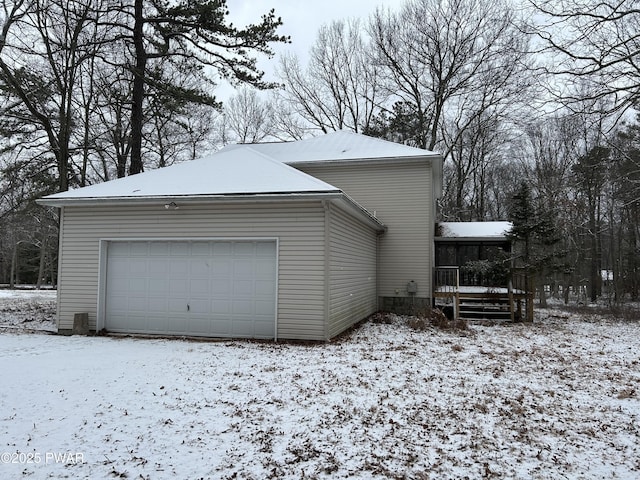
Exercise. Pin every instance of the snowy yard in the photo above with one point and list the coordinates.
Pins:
(556, 399)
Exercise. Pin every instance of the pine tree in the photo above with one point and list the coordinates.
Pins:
(197, 31)
(534, 236)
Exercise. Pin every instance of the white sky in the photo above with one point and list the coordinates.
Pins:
(301, 21)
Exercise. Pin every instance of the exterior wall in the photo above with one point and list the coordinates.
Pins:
(399, 193)
(352, 272)
(299, 227)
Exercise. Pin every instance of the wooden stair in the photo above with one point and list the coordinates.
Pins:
(494, 307)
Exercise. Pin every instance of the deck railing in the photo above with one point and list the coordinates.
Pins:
(447, 283)
(446, 279)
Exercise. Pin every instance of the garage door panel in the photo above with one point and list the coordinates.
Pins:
(263, 308)
(221, 268)
(220, 325)
(221, 249)
(199, 306)
(199, 325)
(220, 287)
(139, 248)
(266, 249)
(243, 288)
(118, 286)
(264, 288)
(138, 304)
(158, 265)
(119, 249)
(242, 328)
(160, 249)
(160, 286)
(179, 249)
(137, 286)
(177, 324)
(199, 287)
(178, 286)
(220, 307)
(243, 268)
(157, 324)
(244, 248)
(137, 321)
(158, 305)
(263, 329)
(210, 288)
(201, 249)
(264, 268)
(199, 268)
(178, 266)
(177, 305)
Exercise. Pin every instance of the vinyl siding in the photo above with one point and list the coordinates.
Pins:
(299, 227)
(400, 195)
(352, 272)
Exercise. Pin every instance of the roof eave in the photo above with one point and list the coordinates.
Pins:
(354, 208)
(333, 195)
(375, 160)
(494, 238)
(154, 199)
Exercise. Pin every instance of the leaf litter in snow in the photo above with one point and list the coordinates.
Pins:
(28, 310)
(554, 399)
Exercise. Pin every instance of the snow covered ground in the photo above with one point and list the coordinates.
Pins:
(555, 399)
(29, 310)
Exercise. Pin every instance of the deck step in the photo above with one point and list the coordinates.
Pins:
(484, 308)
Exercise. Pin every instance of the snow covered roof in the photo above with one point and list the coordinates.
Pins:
(336, 146)
(229, 172)
(489, 230)
(246, 169)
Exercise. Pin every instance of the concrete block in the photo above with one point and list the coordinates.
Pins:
(81, 324)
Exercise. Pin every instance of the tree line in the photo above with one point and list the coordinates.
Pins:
(524, 99)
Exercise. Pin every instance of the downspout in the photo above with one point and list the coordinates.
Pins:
(378, 301)
(327, 266)
(59, 272)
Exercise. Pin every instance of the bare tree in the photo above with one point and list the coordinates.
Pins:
(40, 58)
(459, 71)
(594, 42)
(339, 88)
(247, 118)
(455, 59)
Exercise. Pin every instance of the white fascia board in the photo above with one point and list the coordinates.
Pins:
(355, 209)
(366, 161)
(151, 200)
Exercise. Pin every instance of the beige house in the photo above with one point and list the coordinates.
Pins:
(293, 240)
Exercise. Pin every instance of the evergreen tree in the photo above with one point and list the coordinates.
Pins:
(197, 31)
(590, 174)
(399, 125)
(534, 236)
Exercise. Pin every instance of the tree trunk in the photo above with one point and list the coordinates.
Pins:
(543, 295)
(13, 274)
(43, 256)
(594, 274)
(138, 90)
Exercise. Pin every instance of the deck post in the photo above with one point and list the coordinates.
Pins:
(510, 293)
(456, 307)
(531, 293)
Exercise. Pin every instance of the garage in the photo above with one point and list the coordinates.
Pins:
(213, 288)
(237, 244)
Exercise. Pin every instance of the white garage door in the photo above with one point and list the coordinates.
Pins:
(200, 288)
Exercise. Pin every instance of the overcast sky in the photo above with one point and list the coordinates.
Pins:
(301, 20)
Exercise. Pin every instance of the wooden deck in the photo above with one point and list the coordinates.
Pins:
(477, 302)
